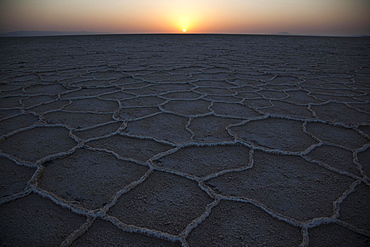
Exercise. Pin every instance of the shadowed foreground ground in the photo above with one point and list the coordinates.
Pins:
(192, 140)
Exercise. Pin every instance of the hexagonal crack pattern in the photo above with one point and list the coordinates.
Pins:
(208, 140)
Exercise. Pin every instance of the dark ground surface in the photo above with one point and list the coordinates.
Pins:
(192, 140)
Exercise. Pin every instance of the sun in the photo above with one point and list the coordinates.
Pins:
(184, 30)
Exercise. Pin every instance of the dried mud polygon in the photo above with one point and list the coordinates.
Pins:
(77, 120)
(36, 221)
(164, 202)
(92, 105)
(337, 135)
(103, 233)
(333, 234)
(129, 147)
(353, 209)
(164, 126)
(204, 160)
(89, 178)
(240, 224)
(212, 128)
(289, 185)
(33, 144)
(188, 107)
(14, 177)
(282, 134)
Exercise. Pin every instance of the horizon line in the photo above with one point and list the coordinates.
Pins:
(33, 33)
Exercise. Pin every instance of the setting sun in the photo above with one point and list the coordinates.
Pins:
(184, 30)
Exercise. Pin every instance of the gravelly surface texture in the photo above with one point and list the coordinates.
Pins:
(185, 140)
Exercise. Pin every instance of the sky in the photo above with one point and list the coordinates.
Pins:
(304, 17)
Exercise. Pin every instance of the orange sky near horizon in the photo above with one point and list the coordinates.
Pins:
(310, 17)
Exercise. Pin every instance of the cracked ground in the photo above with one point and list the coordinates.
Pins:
(185, 140)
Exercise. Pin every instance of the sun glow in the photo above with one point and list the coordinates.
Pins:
(184, 30)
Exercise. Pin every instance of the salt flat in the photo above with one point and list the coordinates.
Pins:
(185, 140)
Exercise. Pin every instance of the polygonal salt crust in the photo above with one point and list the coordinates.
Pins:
(142, 91)
(166, 87)
(14, 177)
(340, 113)
(335, 157)
(248, 95)
(281, 88)
(87, 92)
(342, 99)
(35, 100)
(164, 202)
(355, 208)
(217, 98)
(148, 101)
(92, 105)
(103, 233)
(335, 235)
(25, 77)
(36, 221)
(214, 91)
(215, 70)
(8, 87)
(164, 77)
(136, 112)
(285, 80)
(203, 161)
(108, 75)
(289, 185)
(89, 178)
(163, 126)
(129, 147)
(11, 102)
(188, 107)
(181, 95)
(335, 92)
(211, 83)
(247, 78)
(188, 69)
(288, 109)
(72, 78)
(212, 128)
(211, 76)
(245, 89)
(362, 98)
(337, 81)
(282, 134)
(9, 113)
(365, 130)
(132, 84)
(55, 105)
(364, 158)
(39, 142)
(337, 135)
(53, 89)
(126, 80)
(243, 224)
(365, 107)
(117, 96)
(96, 83)
(300, 97)
(98, 131)
(257, 103)
(11, 124)
(77, 119)
(270, 94)
(234, 110)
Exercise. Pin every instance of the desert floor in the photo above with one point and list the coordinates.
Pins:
(185, 140)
